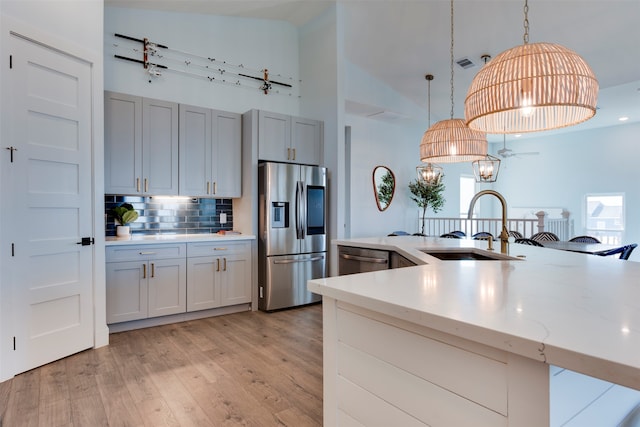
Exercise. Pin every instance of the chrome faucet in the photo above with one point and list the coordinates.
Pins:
(504, 234)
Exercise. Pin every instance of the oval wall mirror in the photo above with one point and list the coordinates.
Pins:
(384, 186)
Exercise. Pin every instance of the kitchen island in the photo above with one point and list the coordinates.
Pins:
(459, 343)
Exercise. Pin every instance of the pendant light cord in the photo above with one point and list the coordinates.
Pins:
(451, 51)
(526, 22)
(429, 77)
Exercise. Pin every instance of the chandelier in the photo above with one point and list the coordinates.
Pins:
(451, 141)
(429, 173)
(486, 169)
(532, 87)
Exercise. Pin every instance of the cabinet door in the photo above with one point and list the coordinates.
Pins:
(235, 279)
(122, 143)
(226, 157)
(167, 286)
(126, 287)
(203, 290)
(159, 147)
(274, 134)
(306, 143)
(195, 151)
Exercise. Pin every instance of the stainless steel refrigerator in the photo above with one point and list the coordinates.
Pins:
(292, 244)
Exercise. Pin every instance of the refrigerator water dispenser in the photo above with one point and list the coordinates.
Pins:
(279, 214)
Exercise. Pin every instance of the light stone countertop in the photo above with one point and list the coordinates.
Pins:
(175, 238)
(580, 312)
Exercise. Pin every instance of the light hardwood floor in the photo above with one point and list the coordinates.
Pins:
(244, 369)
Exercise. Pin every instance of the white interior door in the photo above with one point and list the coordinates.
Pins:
(50, 192)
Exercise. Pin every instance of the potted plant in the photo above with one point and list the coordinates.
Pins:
(427, 196)
(123, 215)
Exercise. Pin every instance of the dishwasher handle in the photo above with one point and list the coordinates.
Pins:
(364, 259)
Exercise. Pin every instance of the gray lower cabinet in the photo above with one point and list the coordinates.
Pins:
(219, 274)
(145, 281)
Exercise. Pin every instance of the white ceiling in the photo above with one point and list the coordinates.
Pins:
(399, 41)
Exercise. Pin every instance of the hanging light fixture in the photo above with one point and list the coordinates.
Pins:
(532, 87)
(451, 141)
(429, 173)
(486, 169)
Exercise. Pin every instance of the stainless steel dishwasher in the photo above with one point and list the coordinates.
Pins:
(359, 260)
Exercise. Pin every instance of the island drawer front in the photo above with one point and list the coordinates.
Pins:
(448, 374)
(145, 252)
(217, 248)
(394, 397)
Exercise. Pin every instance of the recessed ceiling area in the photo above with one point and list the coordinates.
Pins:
(399, 41)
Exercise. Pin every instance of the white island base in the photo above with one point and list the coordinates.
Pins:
(539, 338)
(383, 371)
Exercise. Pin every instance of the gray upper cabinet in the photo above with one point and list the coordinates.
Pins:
(141, 145)
(306, 137)
(159, 147)
(227, 154)
(284, 138)
(210, 152)
(122, 143)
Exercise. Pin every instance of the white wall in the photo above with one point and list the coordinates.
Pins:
(571, 165)
(321, 64)
(74, 26)
(255, 43)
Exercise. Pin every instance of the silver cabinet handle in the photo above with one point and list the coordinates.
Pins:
(219, 249)
(147, 253)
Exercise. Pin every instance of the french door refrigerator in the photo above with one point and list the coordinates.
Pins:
(292, 243)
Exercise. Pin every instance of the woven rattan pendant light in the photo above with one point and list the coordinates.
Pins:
(532, 87)
(451, 141)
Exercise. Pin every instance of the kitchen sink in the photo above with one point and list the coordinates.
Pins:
(466, 255)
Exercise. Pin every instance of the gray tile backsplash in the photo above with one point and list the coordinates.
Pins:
(164, 215)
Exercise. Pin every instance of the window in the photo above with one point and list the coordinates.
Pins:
(604, 217)
(467, 191)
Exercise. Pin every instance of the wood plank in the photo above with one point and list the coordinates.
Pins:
(22, 408)
(55, 407)
(250, 368)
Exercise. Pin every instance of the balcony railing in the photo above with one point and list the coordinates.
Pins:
(561, 227)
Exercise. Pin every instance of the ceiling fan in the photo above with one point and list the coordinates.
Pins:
(505, 152)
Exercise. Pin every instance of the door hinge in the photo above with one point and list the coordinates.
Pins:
(13, 249)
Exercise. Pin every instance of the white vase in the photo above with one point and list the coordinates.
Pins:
(123, 231)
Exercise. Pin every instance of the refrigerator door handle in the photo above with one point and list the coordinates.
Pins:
(293, 261)
(299, 210)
